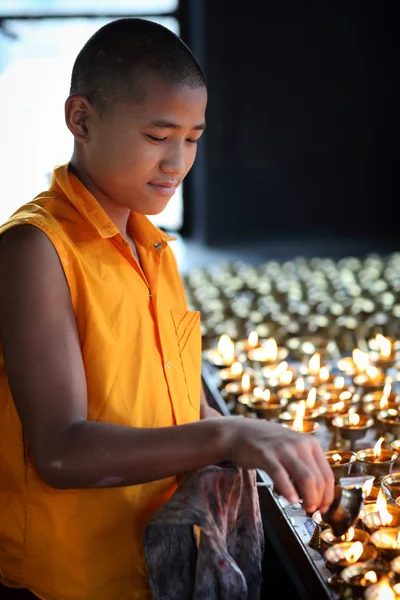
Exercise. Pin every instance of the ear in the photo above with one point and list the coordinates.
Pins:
(78, 112)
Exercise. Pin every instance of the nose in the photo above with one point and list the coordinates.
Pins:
(176, 160)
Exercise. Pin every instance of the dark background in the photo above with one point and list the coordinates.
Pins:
(302, 121)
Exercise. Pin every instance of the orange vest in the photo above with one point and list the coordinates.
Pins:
(141, 349)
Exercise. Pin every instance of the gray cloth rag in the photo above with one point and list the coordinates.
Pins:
(227, 562)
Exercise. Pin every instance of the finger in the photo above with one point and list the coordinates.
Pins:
(282, 482)
(306, 478)
(328, 491)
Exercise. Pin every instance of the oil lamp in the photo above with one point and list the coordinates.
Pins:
(233, 389)
(223, 355)
(377, 461)
(384, 590)
(372, 380)
(383, 352)
(343, 554)
(359, 576)
(390, 421)
(312, 406)
(387, 541)
(376, 401)
(390, 484)
(298, 423)
(354, 364)
(352, 426)
(232, 373)
(278, 376)
(330, 391)
(298, 391)
(371, 491)
(264, 404)
(341, 462)
(380, 514)
(267, 353)
(354, 534)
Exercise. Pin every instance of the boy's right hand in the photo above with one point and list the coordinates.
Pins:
(296, 462)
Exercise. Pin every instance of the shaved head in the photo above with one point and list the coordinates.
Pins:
(111, 66)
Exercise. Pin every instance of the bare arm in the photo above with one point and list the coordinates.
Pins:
(46, 375)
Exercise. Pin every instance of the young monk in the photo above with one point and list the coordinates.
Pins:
(100, 380)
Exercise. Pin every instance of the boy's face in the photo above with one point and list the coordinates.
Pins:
(138, 153)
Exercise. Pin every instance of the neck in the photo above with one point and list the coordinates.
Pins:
(118, 214)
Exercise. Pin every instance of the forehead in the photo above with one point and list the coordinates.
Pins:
(161, 100)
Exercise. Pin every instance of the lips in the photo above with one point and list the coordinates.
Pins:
(164, 187)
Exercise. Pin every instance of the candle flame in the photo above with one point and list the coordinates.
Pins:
(354, 552)
(252, 340)
(360, 359)
(387, 390)
(381, 508)
(382, 590)
(367, 487)
(378, 447)
(383, 402)
(300, 385)
(369, 577)
(314, 364)
(339, 383)
(311, 398)
(236, 368)
(226, 348)
(300, 412)
(354, 419)
(246, 383)
(384, 345)
(286, 377)
(323, 374)
(348, 536)
(266, 395)
(337, 458)
(281, 369)
(271, 348)
(372, 372)
(258, 393)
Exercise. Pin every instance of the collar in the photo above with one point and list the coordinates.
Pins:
(143, 230)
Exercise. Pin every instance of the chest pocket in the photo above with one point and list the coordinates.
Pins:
(188, 334)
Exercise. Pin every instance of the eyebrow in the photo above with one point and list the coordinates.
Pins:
(169, 125)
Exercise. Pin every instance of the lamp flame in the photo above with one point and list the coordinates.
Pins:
(354, 552)
(384, 345)
(337, 407)
(323, 374)
(252, 340)
(369, 577)
(367, 487)
(281, 369)
(226, 348)
(354, 419)
(258, 393)
(339, 383)
(300, 412)
(314, 364)
(360, 359)
(236, 368)
(348, 536)
(271, 349)
(337, 458)
(246, 384)
(382, 590)
(286, 377)
(311, 398)
(300, 385)
(381, 508)
(378, 447)
(387, 390)
(372, 372)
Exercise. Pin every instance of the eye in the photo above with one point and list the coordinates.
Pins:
(192, 141)
(153, 138)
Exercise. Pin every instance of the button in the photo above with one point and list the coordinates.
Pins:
(168, 364)
(158, 245)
